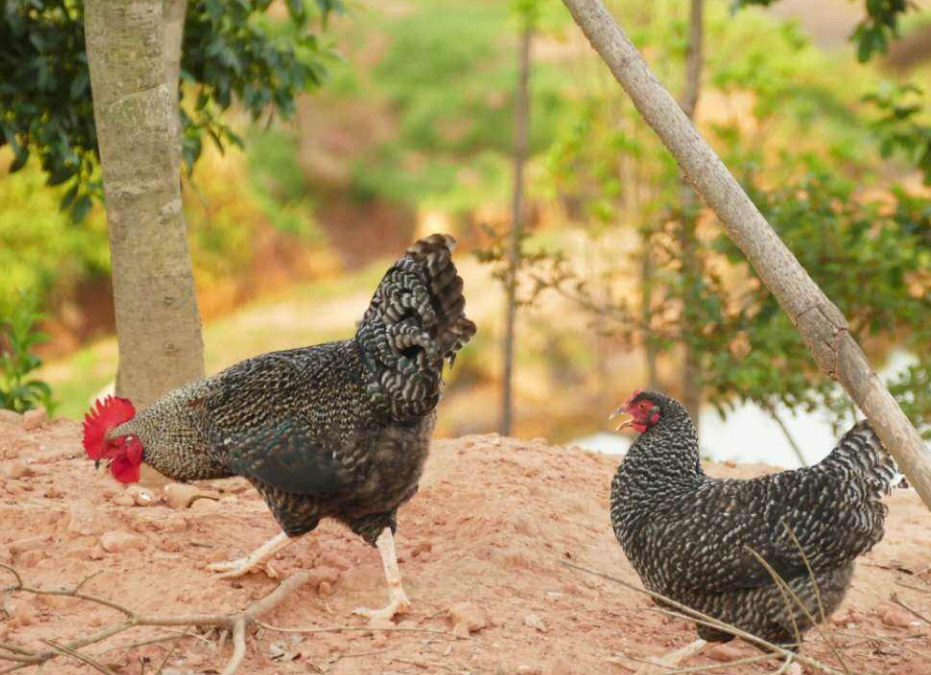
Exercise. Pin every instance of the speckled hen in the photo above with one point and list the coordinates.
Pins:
(338, 430)
(692, 538)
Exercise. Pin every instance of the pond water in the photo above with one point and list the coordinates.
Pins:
(750, 435)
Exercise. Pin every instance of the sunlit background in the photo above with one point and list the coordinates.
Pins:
(412, 133)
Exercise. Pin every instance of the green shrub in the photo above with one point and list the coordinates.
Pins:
(19, 335)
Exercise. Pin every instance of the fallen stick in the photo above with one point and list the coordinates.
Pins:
(236, 623)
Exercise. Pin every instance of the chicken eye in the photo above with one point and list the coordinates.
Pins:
(643, 405)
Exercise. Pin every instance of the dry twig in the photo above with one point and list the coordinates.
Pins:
(703, 669)
(706, 620)
(784, 585)
(359, 629)
(896, 600)
(236, 623)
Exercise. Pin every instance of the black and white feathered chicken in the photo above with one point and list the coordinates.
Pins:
(338, 430)
(692, 538)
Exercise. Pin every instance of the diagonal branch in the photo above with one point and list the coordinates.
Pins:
(817, 319)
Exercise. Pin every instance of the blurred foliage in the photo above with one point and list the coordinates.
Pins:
(442, 73)
(873, 259)
(235, 206)
(230, 49)
(873, 33)
(41, 250)
(791, 137)
(19, 336)
(901, 126)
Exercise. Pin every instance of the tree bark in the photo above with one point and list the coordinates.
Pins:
(521, 142)
(820, 323)
(157, 320)
(688, 207)
(173, 13)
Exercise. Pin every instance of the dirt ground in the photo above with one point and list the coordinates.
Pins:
(491, 525)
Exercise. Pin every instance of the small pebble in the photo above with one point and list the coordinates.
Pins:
(319, 575)
(21, 614)
(11, 418)
(723, 653)
(534, 621)
(56, 601)
(20, 470)
(114, 542)
(558, 667)
(140, 495)
(30, 558)
(895, 617)
(205, 505)
(33, 419)
(179, 495)
(468, 616)
(28, 544)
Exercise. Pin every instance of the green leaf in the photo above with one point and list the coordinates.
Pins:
(81, 208)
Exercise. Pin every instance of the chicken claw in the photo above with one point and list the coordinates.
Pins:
(254, 562)
(398, 602)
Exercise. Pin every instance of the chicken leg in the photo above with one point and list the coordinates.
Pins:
(672, 659)
(259, 557)
(398, 601)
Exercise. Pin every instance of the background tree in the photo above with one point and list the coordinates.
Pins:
(157, 320)
(223, 51)
(526, 11)
(872, 35)
(688, 217)
(823, 327)
(749, 351)
(227, 50)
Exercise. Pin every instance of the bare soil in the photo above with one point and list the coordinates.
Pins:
(492, 523)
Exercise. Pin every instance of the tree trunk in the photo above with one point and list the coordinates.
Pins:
(647, 274)
(521, 142)
(157, 321)
(820, 323)
(688, 207)
(173, 13)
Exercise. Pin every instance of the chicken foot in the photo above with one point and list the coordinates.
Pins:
(398, 602)
(258, 558)
(672, 659)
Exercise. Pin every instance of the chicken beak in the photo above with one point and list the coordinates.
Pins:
(621, 411)
(96, 464)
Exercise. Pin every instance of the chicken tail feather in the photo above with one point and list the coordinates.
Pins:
(415, 322)
(862, 453)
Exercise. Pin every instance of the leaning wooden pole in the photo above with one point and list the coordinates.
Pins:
(820, 322)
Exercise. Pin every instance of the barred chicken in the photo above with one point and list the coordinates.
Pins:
(338, 430)
(694, 539)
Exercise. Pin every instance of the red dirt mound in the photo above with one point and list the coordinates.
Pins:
(490, 526)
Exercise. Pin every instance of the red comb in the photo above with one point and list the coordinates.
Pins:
(630, 398)
(103, 416)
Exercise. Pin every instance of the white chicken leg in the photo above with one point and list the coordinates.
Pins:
(259, 557)
(398, 602)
